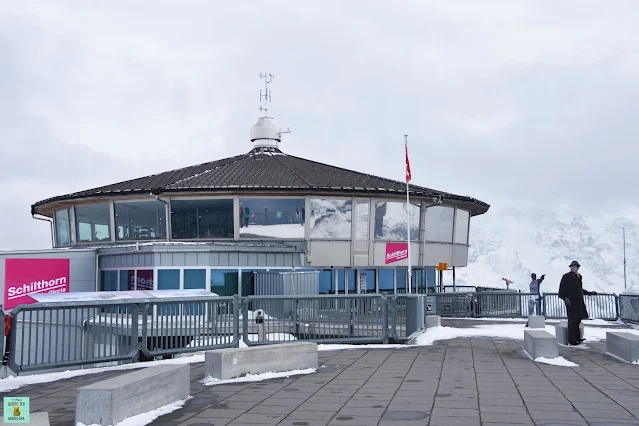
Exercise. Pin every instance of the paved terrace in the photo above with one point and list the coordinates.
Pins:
(475, 381)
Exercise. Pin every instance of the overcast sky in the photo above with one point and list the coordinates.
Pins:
(520, 99)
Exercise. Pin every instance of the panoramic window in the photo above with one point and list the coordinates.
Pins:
(361, 224)
(439, 224)
(281, 218)
(224, 282)
(461, 226)
(108, 280)
(390, 221)
(331, 219)
(194, 279)
(211, 218)
(93, 223)
(142, 220)
(168, 279)
(386, 280)
(62, 232)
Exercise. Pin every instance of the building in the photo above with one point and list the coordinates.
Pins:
(212, 225)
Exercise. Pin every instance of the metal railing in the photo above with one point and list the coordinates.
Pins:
(600, 306)
(48, 336)
(80, 333)
(629, 308)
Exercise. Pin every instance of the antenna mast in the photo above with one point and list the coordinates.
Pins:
(267, 93)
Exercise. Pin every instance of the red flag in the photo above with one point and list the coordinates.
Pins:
(408, 175)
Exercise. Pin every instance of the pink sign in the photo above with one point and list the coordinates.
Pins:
(396, 252)
(25, 276)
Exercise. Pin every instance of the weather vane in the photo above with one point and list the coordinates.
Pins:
(266, 97)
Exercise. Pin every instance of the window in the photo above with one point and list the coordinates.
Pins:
(224, 281)
(127, 280)
(461, 226)
(349, 275)
(191, 219)
(108, 280)
(144, 280)
(390, 221)
(367, 281)
(402, 280)
(62, 232)
(143, 220)
(169, 279)
(281, 218)
(331, 219)
(93, 222)
(386, 280)
(194, 278)
(326, 281)
(439, 224)
(361, 224)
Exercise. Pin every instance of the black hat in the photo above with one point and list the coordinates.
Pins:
(575, 263)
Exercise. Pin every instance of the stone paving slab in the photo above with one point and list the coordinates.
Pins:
(471, 381)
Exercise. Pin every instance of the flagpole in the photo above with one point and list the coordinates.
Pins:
(410, 271)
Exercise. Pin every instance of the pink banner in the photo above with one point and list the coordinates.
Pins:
(25, 276)
(396, 252)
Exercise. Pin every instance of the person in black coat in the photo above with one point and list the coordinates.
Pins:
(572, 293)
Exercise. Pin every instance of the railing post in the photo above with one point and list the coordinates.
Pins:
(384, 304)
(237, 310)
(245, 321)
(617, 307)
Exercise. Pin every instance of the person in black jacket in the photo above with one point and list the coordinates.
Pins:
(572, 293)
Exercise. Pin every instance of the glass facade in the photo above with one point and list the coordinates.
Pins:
(140, 220)
(390, 221)
(439, 224)
(386, 279)
(194, 279)
(461, 226)
(361, 223)
(193, 219)
(62, 228)
(331, 219)
(224, 282)
(280, 218)
(367, 281)
(108, 280)
(93, 222)
(168, 279)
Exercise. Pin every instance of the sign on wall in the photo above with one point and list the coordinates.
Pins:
(25, 276)
(396, 252)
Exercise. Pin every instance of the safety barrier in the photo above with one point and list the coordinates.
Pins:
(629, 307)
(107, 332)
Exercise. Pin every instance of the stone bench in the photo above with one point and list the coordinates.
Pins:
(540, 343)
(623, 345)
(536, 321)
(561, 332)
(110, 401)
(35, 419)
(237, 362)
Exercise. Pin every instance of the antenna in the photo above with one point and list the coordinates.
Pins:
(267, 93)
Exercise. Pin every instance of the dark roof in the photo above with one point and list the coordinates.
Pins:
(265, 170)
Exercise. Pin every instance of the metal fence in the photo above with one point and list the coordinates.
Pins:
(55, 336)
(601, 306)
(629, 308)
(48, 336)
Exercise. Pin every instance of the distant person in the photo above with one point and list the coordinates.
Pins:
(303, 215)
(247, 215)
(241, 217)
(572, 293)
(534, 301)
(265, 215)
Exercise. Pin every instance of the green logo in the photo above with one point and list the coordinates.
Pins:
(16, 409)
(279, 214)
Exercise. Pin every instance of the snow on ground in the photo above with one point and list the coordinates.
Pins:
(599, 322)
(338, 347)
(293, 230)
(212, 381)
(148, 417)
(558, 361)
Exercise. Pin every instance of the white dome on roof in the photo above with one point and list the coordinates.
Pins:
(266, 133)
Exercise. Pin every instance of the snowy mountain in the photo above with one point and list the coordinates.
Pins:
(513, 240)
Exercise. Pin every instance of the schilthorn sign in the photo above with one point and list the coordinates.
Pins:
(28, 276)
(396, 252)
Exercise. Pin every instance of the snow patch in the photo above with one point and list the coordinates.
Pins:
(212, 381)
(558, 361)
(148, 417)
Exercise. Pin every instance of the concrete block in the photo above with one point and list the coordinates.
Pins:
(432, 321)
(237, 362)
(623, 345)
(540, 343)
(414, 313)
(110, 401)
(35, 419)
(561, 332)
(536, 321)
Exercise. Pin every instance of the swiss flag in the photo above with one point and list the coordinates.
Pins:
(408, 175)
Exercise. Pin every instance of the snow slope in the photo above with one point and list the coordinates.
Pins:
(516, 238)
